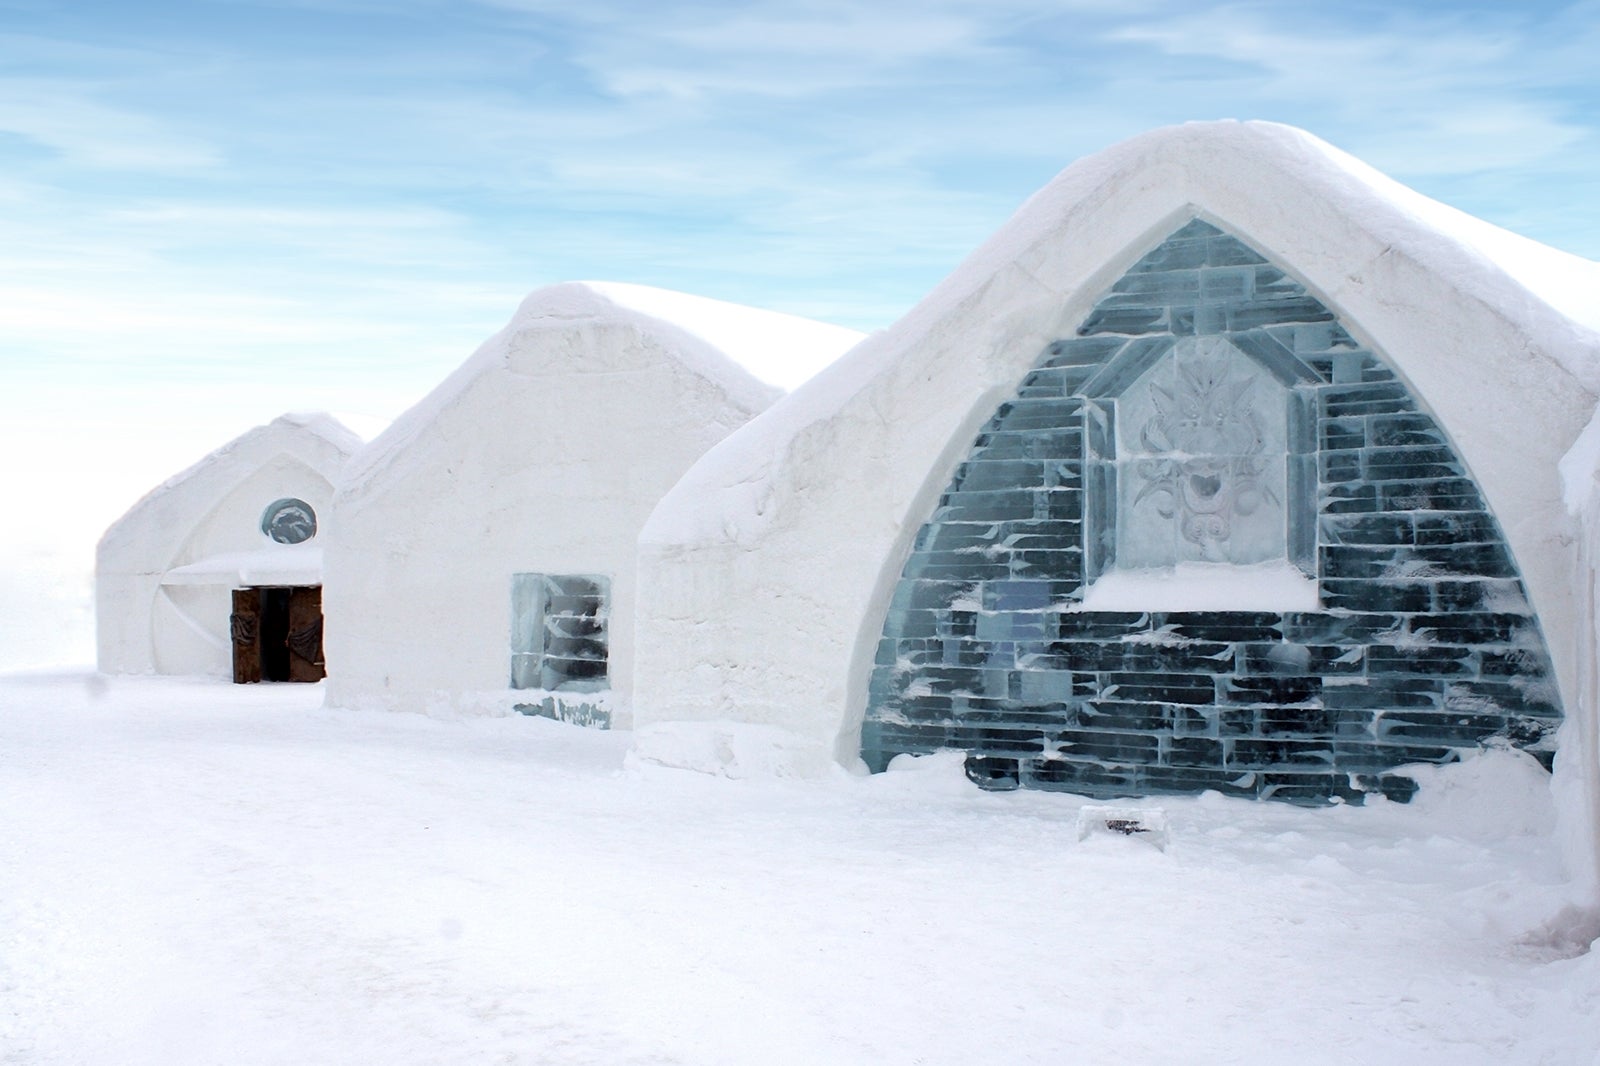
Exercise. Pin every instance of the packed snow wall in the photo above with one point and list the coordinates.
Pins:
(484, 557)
(1213, 542)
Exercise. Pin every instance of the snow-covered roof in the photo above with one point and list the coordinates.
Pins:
(1565, 283)
(318, 439)
(1271, 183)
(571, 307)
(1547, 292)
(314, 424)
(781, 349)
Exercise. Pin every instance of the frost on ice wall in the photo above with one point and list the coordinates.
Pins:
(485, 550)
(1227, 463)
(239, 533)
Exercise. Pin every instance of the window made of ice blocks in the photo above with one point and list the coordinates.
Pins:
(1201, 442)
(559, 628)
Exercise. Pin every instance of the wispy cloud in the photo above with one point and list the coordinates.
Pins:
(1412, 93)
(785, 54)
(713, 51)
(382, 238)
(65, 117)
(822, 155)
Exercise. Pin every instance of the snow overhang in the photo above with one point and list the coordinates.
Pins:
(299, 564)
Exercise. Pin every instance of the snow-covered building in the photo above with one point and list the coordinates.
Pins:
(1228, 463)
(218, 570)
(486, 544)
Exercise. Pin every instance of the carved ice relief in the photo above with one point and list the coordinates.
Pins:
(1212, 467)
(1201, 445)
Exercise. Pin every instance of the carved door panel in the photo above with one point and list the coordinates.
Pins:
(305, 635)
(244, 628)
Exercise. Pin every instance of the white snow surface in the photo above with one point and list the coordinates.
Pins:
(192, 872)
(1204, 587)
(780, 349)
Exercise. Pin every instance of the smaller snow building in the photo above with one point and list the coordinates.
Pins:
(1228, 463)
(485, 556)
(218, 571)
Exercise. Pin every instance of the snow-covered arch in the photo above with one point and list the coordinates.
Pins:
(767, 571)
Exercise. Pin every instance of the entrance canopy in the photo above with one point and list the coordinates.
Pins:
(279, 565)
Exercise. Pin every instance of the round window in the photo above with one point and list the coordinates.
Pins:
(289, 521)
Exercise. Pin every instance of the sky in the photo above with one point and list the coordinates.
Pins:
(212, 211)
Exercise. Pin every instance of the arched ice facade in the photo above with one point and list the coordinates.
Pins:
(1391, 386)
(1212, 542)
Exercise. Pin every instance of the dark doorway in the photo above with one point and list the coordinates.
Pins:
(277, 634)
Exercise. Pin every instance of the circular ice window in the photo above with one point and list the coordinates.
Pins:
(289, 521)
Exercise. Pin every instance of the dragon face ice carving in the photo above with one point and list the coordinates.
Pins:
(1206, 443)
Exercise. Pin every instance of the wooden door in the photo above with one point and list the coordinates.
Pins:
(305, 635)
(245, 629)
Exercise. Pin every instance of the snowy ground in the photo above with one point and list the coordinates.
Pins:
(192, 872)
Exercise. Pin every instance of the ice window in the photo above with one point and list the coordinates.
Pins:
(289, 521)
(559, 632)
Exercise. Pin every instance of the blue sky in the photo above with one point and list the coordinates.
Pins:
(194, 188)
(212, 211)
